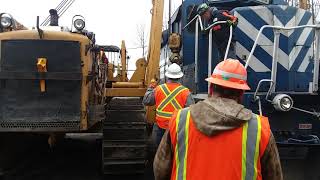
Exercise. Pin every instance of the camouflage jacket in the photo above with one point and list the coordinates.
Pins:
(212, 123)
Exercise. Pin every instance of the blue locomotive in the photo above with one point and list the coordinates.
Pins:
(279, 44)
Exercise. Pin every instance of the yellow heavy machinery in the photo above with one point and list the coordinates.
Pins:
(49, 83)
(55, 81)
(125, 136)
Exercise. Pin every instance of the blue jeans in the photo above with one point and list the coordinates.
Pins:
(157, 133)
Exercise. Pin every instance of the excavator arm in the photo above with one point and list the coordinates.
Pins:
(154, 51)
(155, 41)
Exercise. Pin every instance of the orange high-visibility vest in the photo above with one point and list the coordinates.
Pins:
(169, 97)
(231, 155)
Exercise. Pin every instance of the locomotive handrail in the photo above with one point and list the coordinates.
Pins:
(255, 95)
(275, 51)
(274, 27)
(198, 20)
(214, 24)
(196, 43)
(275, 62)
(210, 46)
(197, 17)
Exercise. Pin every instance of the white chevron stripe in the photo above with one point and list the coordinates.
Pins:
(299, 15)
(306, 61)
(290, 23)
(264, 13)
(255, 64)
(283, 7)
(252, 32)
(295, 51)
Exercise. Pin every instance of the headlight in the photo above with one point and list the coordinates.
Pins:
(6, 21)
(79, 24)
(282, 102)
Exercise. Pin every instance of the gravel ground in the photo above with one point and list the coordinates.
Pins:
(33, 159)
(29, 158)
(24, 157)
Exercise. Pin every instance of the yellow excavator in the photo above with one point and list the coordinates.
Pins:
(125, 135)
(55, 81)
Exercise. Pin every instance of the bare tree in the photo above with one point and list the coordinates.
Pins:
(142, 39)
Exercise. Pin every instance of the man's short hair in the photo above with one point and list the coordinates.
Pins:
(227, 92)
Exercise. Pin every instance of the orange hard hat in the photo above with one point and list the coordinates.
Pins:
(230, 73)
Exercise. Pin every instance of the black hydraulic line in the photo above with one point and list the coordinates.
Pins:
(59, 7)
(67, 7)
(63, 3)
(45, 21)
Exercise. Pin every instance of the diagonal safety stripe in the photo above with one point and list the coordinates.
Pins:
(301, 55)
(256, 22)
(169, 98)
(310, 68)
(251, 136)
(300, 41)
(261, 54)
(304, 19)
(289, 45)
(255, 64)
(284, 14)
(174, 102)
(165, 90)
(247, 43)
(247, 29)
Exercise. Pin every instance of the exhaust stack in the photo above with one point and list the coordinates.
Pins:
(54, 17)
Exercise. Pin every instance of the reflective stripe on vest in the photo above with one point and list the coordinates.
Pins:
(181, 149)
(251, 136)
(170, 98)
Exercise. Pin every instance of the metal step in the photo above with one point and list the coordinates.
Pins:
(124, 137)
(124, 133)
(124, 150)
(125, 116)
(124, 167)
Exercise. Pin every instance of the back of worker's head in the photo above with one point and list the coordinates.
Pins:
(174, 72)
(202, 8)
(229, 80)
(221, 91)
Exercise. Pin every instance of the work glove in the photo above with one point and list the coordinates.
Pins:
(233, 23)
(153, 83)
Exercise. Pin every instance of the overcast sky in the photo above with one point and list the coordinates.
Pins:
(111, 20)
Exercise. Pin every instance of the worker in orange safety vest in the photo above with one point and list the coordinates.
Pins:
(167, 98)
(218, 138)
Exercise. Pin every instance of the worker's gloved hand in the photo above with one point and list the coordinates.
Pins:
(153, 83)
(233, 23)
